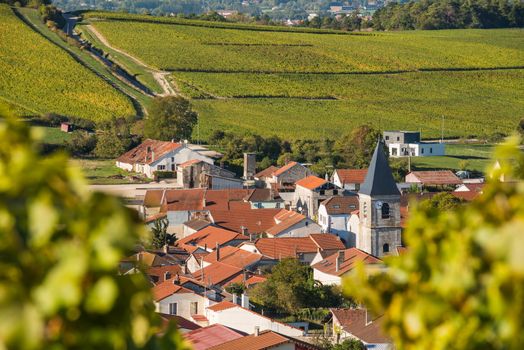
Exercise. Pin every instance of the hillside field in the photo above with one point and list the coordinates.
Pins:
(301, 84)
(38, 77)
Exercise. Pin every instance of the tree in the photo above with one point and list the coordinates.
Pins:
(461, 281)
(520, 130)
(170, 117)
(113, 138)
(61, 245)
(81, 143)
(160, 235)
(356, 148)
(443, 201)
(350, 344)
(236, 288)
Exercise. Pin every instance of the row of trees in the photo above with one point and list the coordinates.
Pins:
(450, 14)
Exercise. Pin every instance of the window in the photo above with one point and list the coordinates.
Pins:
(422, 150)
(335, 192)
(172, 159)
(173, 308)
(161, 167)
(430, 150)
(193, 308)
(385, 211)
(385, 248)
(336, 206)
(398, 138)
(387, 137)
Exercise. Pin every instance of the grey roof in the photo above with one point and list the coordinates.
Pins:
(379, 179)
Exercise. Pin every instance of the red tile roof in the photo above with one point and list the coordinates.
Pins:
(234, 256)
(266, 340)
(338, 205)
(209, 237)
(268, 172)
(204, 338)
(181, 322)
(285, 168)
(466, 195)
(438, 177)
(223, 305)
(284, 220)
(140, 154)
(189, 162)
(352, 176)
(167, 288)
(352, 256)
(311, 182)
(327, 241)
(362, 325)
(160, 271)
(285, 247)
(255, 220)
(217, 273)
(255, 280)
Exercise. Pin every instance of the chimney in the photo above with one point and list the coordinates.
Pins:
(257, 331)
(176, 280)
(244, 230)
(152, 156)
(167, 275)
(250, 165)
(235, 299)
(340, 260)
(166, 248)
(205, 247)
(244, 301)
(185, 269)
(217, 250)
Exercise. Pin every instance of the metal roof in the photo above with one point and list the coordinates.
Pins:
(379, 179)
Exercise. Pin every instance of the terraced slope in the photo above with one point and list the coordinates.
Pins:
(38, 77)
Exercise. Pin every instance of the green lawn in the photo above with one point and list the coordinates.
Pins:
(104, 171)
(478, 157)
(53, 135)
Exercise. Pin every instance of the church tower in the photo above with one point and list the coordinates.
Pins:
(379, 208)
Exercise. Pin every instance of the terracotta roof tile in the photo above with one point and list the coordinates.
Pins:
(285, 247)
(209, 237)
(255, 220)
(327, 241)
(234, 256)
(159, 272)
(204, 338)
(167, 288)
(189, 162)
(181, 322)
(268, 172)
(352, 176)
(266, 340)
(223, 305)
(352, 256)
(285, 168)
(217, 273)
(311, 182)
(357, 322)
(143, 153)
(284, 220)
(438, 177)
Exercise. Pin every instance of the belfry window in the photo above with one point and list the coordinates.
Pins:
(385, 211)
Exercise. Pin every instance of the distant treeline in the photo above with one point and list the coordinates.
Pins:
(450, 14)
(26, 3)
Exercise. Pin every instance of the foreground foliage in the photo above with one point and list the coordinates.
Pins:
(59, 254)
(460, 283)
(39, 77)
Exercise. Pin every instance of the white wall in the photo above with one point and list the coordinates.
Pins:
(325, 278)
(183, 301)
(417, 149)
(245, 321)
(301, 229)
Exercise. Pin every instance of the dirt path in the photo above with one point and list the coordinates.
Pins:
(159, 75)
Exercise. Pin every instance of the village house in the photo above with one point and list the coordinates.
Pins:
(265, 198)
(407, 143)
(284, 178)
(244, 320)
(153, 155)
(303, 248)
(265, 340)
(292, 224)
(234, 256)
(196, 173)
(332, 269)
(334, 214)
(217, 274)
(349, 179)
(310, 191)
(362, 325)
(435, 178)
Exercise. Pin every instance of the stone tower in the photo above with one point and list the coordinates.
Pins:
(379, 208)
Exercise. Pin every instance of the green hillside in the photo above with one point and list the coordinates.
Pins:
(299, 84)
(37, 77)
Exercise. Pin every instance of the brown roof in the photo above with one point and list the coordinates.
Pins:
(158, 272)
(466, 195)
(189, 162)
(209, 237)
(360, 324)
(338, 205)
(284, 220)
(204, 338)
(311, 182)
(255, 220)
(352, 256)
(180, 321)
(201, 199)
(268, 172)
(217, 273)
(197, 224)
(263, 195)
(352, 176)
(143, 153)
(285, 247)
(436, 177)
(234, 256)
(285, 168)
(167, 288)
(327, 241)
(155, 217)
(266, 340)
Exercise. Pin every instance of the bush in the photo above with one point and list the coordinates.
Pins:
(81, 143)
(53, 119)
(164, 174)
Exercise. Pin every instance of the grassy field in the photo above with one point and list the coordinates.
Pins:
(39, 77)
(103, 172)
(312, 85)
(478, 157)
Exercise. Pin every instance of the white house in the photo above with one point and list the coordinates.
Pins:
(236, 317)
(349, 179)
(154, 155)
(331, 270)
(334, 214)
(421, 149)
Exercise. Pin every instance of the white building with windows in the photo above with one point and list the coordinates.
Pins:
(421, 149)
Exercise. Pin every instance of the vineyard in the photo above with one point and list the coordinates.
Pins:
(38, 77)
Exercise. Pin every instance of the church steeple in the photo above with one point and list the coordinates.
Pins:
(379, 179)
